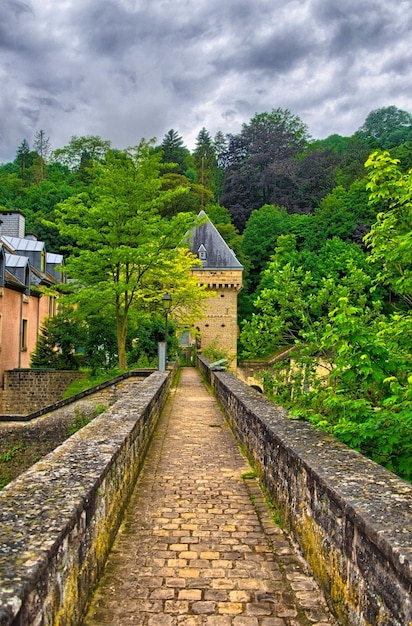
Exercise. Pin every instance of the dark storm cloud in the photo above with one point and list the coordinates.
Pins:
(355, 26)
(108, 29)
(113, 28)
(126, 69)
(10, 9)
(276, 54)
(10, 12)
(399, 65)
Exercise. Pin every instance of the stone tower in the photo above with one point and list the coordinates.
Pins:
(221, 272)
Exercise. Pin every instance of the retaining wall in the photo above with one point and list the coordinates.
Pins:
(105, 392)
(27, 390)
(58, 519)
(351, 518)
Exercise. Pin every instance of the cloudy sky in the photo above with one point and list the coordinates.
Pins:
(127, 69)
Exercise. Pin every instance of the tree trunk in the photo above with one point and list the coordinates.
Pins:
(121, 343)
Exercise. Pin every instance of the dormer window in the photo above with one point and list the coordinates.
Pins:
(202, 254)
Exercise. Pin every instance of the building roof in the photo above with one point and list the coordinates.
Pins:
(26, 257)
(23, 245)
(51, 257)
(15, 260)
(18, 271)
(208, 244)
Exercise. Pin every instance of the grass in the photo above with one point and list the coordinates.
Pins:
(249, 475)
(277, 518)
(20, 456)
(89, 381)
(80, 419)
(276, 514)
(8, 455)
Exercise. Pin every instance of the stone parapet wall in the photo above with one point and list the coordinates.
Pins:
(351, 518)
(58, 519)
(104, 393)
(27, 390)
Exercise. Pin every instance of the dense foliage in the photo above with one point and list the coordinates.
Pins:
(325, 243)
(348, 345)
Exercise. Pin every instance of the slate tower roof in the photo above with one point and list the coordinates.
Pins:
(208, 244)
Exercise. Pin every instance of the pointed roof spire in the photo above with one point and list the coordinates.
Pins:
(208, 244)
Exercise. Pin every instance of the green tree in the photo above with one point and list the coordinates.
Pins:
(12, 187)
(218, 214)
(347, 368)
(57, 345)
(38, 202)
(24, 159)
(191, 201)
(351, 168)
(126, 255)
(345, 213)
(387, 127)
(205, 162)
(306, 231)
(259, 239)
(257, 163)
(220, 144)
(88, 147)
(390, 239)
(145, 337)
(296, 291)
(403, 152)
(351, 154)
(99, 347)
(175, 152)
(368, 402)
(41, 146)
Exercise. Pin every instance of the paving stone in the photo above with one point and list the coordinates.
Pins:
(203, 608)
(176, 606)
(162, 594)
(190, 594)
(259, 608)
(191, 620)
(245, 621)
(192, 550)
(161, 620)
(217, 595)
(218, 620)
(230, 608)
(287, 612)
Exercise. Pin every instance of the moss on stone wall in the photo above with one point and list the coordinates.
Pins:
(350, 516)
(58, 519)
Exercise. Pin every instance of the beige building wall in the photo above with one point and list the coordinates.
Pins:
(23, 307)
(21, 317)
(10, 315)
(219, 326)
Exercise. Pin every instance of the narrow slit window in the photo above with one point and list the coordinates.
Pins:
(24, 335)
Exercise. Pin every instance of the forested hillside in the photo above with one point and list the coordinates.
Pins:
(322, 227)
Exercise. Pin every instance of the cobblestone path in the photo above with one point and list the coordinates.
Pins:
(198, 545)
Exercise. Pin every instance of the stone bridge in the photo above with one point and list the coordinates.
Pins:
(199, 544)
